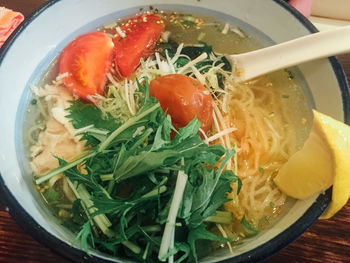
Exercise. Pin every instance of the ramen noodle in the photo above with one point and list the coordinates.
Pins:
(79, 167)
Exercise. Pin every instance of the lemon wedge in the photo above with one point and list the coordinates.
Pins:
(324, 160)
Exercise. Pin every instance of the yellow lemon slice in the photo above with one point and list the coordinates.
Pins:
(324, 160)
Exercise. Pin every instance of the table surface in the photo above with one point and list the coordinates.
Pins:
(325, 241)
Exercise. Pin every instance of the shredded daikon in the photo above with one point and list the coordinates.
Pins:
(221, 133)
(198, 75)
(112, 80)
(165, 36)
(225, 236)
(204, 135)
(171, 66)
(216, 123)
(120, 32)
(133, 87)
(178, 51)
(127, 97)
(223, 125)
(193, 62)
(163, 65)
(238, 32)
(226, 29)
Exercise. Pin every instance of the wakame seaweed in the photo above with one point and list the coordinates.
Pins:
(193, 52)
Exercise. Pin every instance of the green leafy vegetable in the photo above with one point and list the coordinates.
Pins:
(249, 229)
(85, 236)
(200, 233)
(125, 190)
(83, 114)
(51, 195)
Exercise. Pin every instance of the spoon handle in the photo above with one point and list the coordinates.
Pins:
(319, 45)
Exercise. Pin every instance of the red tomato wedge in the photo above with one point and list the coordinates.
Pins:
(184, 98)
(87, 60)
(142, 34)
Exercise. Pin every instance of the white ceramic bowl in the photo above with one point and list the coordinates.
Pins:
(29, 51)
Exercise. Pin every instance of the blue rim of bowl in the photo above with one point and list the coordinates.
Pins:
(258, 254)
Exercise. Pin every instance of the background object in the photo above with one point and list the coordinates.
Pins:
(336, 9)
(330, 14)
(9, 20)
(303, 6)
(326, 241)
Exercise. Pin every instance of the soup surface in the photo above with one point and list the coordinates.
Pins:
(172, 152)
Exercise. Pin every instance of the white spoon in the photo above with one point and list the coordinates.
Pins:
(319, 45)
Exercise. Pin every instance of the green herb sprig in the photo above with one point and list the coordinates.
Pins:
(126, 187)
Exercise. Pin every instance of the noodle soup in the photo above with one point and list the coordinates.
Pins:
(254, 128)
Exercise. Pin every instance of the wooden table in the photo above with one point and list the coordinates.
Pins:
(325, 241)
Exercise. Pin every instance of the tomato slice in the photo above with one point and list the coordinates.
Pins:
(142, 34)
(184, 98)
(87, 60)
